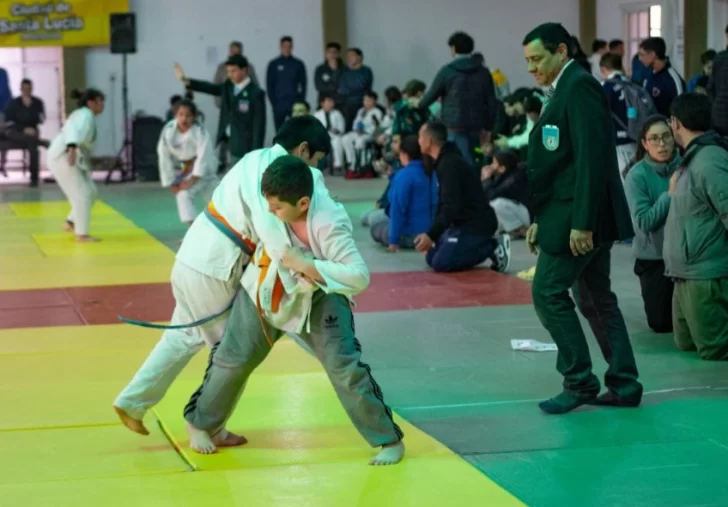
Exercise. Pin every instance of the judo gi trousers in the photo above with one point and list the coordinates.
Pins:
(197, 296)
(333, 341)
(186, 198)
(80, 190)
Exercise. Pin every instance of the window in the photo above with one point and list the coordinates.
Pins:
(640, 23)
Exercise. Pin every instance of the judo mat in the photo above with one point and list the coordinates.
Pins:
(439, 345)
(62, 444)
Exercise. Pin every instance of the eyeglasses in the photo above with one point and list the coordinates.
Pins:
(666, 138)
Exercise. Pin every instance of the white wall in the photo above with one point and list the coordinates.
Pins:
(186, 31)
(407, 39)
(717, 21)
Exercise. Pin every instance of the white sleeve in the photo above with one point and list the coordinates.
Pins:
(343, 269)
(520, 140)
(166, 166)
(205, 159)
(78, 127)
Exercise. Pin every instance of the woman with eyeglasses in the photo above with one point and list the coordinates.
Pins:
(649, 190)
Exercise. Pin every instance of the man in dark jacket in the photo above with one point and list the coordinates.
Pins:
(326, 77)
(461, 235)
(286, 82)
(356, 80)
(580, 210)
(468, 96)
(718, 90)
(242, 110)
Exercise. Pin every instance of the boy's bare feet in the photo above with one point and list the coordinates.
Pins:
(133, 424)
(68, 226)
(202, 442)
(389, 455)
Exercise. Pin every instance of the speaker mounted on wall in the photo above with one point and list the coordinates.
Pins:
(122, 27)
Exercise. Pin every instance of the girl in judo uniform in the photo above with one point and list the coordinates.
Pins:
(187, 160)
(69, 160)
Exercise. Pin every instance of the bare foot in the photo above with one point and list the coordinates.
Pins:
(389, 455)
(68, 227)
(224, 438)
(200, 440)
(133, 424)
(87, 239)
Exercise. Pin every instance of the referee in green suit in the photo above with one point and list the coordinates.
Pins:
(580, 210)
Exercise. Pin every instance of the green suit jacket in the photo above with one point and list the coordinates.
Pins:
(244, 112)
(573, 175)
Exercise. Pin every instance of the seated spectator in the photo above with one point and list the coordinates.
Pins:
(461, 236)
(335, 125)
(506, 190)
(532, 108)
(701, 85)
(408, 115)
(300, 108)
(664, 83)
(696, 232)
(648, 189)
(412, 200)
(366, 123)
(707, 60)
(391, 168)
(23, 117)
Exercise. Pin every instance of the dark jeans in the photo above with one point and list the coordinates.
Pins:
(380, 234)
(588, 276)
(466, 141)
(460, 250)
(656, 293)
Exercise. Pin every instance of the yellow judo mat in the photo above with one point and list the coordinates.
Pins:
(61, 444)
(35, 253)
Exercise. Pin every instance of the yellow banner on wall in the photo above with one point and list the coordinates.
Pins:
(57, 23)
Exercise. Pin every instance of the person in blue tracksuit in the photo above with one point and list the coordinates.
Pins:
(412, 200)
(664, 83)
(286, 82)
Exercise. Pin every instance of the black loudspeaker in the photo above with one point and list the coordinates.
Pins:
(145, 132)
(122, 28)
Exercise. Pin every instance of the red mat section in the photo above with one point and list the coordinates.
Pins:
(388, 292)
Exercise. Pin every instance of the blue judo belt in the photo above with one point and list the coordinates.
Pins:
(238, 242)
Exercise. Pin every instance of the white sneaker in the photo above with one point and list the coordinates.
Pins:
(502, 254)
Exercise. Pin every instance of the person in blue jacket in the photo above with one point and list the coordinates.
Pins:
(286, 82)
(412, 200)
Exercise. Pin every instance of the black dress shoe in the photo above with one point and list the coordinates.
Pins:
(612, 400)
(564, 402)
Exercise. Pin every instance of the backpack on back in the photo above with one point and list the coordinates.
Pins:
(639, 107)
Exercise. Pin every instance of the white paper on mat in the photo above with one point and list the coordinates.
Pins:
(533, 346)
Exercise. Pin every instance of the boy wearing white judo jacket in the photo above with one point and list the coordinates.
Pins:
(69, 160)
(208, 268)
(326, 269)
(187, 160)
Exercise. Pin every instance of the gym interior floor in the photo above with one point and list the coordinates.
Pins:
(438, 345)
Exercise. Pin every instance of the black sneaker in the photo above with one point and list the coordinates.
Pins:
(502, 254)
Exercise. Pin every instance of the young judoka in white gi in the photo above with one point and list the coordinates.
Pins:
(335, 123)
(187, 160)
(69, 160)
(321, 255)
(208, 268)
